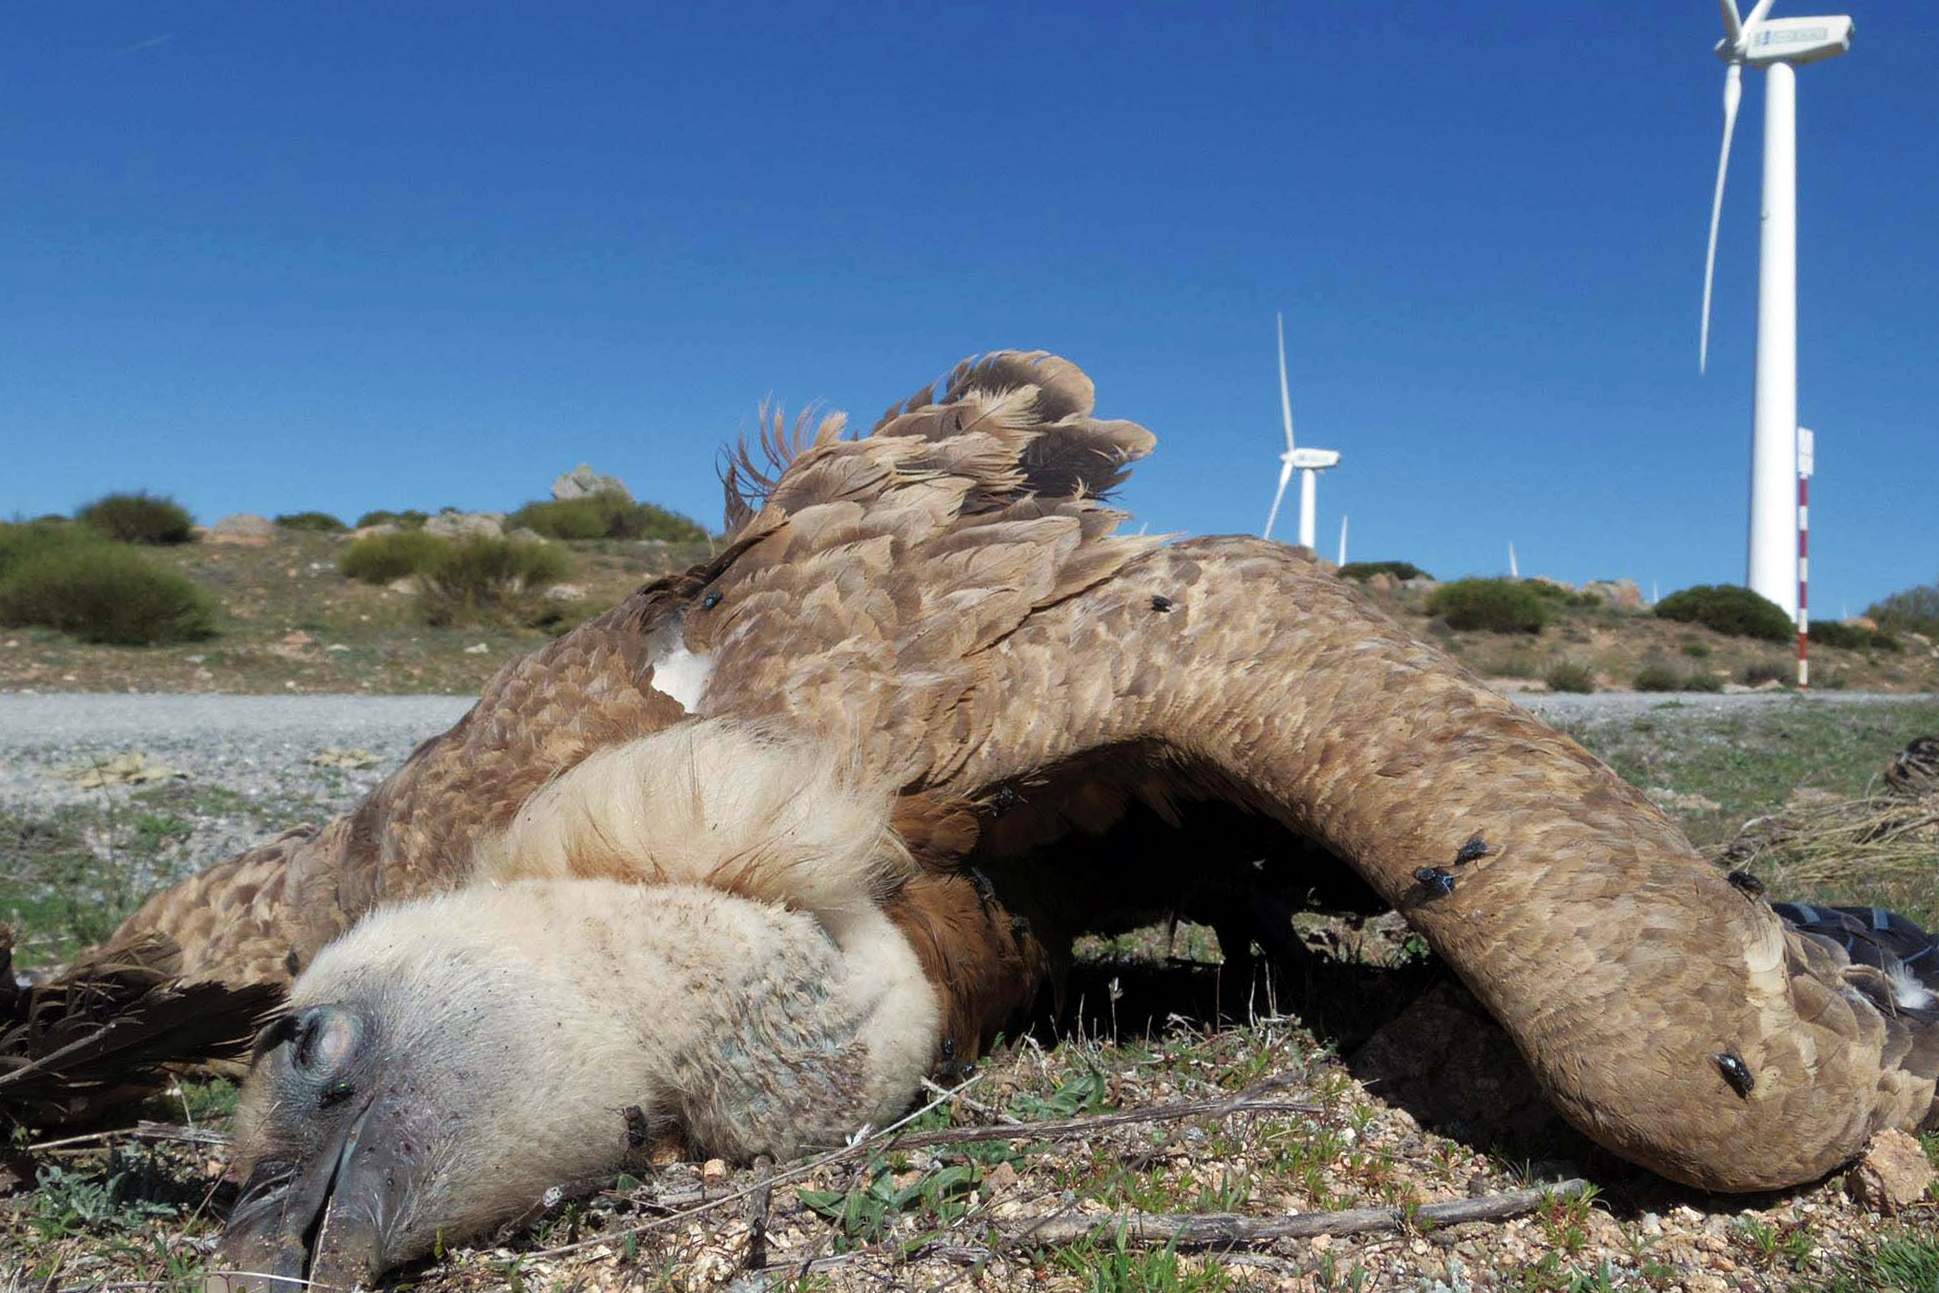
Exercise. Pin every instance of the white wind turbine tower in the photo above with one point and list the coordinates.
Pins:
(1309, 462)
(1776, 45)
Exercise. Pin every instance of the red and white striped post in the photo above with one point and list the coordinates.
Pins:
(1805, 464)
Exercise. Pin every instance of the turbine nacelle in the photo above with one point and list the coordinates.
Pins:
(1789, 40)
(1311, 459)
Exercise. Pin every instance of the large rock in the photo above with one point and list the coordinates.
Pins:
(582, 481)
(1623, 594)
(466, 525)
(245, 528)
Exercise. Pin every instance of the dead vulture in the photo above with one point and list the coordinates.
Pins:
(741, 858)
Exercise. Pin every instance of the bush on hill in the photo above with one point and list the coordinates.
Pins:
(501, 580)
(1497, 605)
(1568, 675)
(604, 516)
(105, 592)
(409, 519)
(1659, 675)
(1728, 609)
(22, 542)
(380, 558)
(1364, 570)
(140, 517)
(321, 522)
(1853, 637)
(1910, 610)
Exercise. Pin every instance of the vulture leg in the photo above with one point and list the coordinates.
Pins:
(450, 1060)
(1667, 1015)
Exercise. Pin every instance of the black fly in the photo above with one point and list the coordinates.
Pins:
(635, 1125)
(1747, 882)
(1475, 849)
(1162, 604)
(1438, 881)
(1736, 1072)
(1006, 800)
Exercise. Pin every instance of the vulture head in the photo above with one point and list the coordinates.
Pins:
(450, 1061)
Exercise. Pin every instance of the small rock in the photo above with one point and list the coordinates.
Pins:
(244, 528)
(1677, 802)
(477, 648)
(372, 531)
(406, 584)
(336, 646)
(1895, 1173)
(1001, 1177)
(298, 638)
(582, 481)
(713, 1172)
(566, 593)
(1623, 594)
(337, 757)
(466, 525)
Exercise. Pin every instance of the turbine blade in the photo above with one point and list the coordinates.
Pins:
(1733, 25)
(1757, 13)
(1733, 91)
(1285, 474)
(1285, 400)
(1343, 539)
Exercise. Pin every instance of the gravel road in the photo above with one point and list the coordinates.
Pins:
(262, 746)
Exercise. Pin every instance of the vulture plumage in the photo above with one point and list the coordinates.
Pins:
(743, 857)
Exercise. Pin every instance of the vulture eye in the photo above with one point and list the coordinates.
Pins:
(324, 1038)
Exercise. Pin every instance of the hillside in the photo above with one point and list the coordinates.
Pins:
(289, 621)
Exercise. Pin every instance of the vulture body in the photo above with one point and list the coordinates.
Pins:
(742, 857)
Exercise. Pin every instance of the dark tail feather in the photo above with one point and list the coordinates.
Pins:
(100, 1035)
(1872, 936)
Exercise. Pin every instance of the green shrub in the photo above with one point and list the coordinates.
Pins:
(140, 517)
(322, 522)
(409, 519)
(380, 558)
(1497, 605)
(1759, 672)
(22, 542)
(1661, 675)
(1363, 570)
(604, 516)
(1697, 650)
(104, 592)
(1729, 609)
(1567, 675)
(499, 580)
(1853, 637)
(1910, 610)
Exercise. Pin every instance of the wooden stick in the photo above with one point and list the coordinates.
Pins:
(1220, 1230)
(143, 1130)
(1062, 1127)
(757, 1212)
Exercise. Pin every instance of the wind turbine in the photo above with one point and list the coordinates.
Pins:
(1777, 45)
(1514, 567)
(1309, 462)
(1343, 539)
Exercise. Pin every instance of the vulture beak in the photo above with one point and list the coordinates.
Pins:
(335, 1161)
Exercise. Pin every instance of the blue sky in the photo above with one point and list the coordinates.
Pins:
(269, 258)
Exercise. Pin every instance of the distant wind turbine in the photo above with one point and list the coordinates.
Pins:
(1343, 538)
(1514, 569)
(1776, 45)
(1308, 462)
